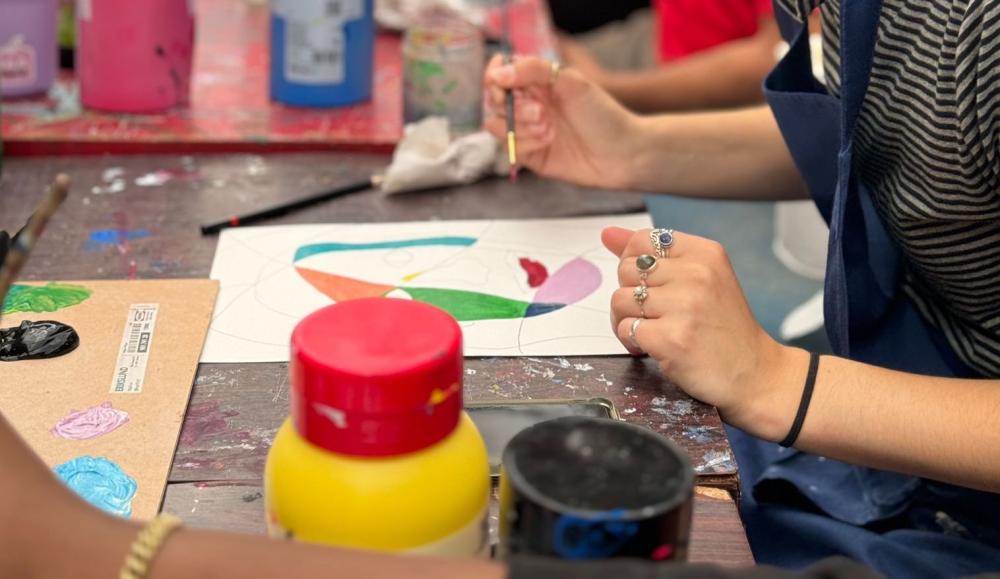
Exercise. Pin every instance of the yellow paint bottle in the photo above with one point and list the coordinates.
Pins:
(377, 453)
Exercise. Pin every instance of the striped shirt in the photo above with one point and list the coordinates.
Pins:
(928, 146)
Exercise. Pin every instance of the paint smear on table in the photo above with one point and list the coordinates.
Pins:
(701, 434)
(100, 482)
(716, 461)
(90, 422)
(154, 179)
(102, 239)
(43, 298)
(205, 419)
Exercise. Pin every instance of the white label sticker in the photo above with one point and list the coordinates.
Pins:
(17, 63)
(329, 11)
(133, 355)
(314, 53)
(84, 11)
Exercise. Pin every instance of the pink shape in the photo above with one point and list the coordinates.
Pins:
(90, 422)
(537, 274)
(570, 283)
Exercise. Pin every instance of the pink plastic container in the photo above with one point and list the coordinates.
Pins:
(134, 56)
(28, 55)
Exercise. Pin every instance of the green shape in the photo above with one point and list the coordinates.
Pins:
(450, 87)
(45, 298)
(467, 306)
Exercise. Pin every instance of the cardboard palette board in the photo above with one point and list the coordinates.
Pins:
(517, 287)
(106, 416)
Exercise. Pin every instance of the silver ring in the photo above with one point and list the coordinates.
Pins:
(645, 264)
(640, 294)
(633, 329)
(663, 240)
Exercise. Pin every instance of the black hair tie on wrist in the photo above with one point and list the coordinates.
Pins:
(807, 392)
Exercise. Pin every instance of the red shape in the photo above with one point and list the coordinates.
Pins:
(662, 552)
(342, 289)
(537, 274)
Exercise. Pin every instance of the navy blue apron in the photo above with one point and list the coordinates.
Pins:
(798, 507)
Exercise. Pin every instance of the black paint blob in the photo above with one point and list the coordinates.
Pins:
(37, 340)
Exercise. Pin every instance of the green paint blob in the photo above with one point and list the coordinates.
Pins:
(467, 306)
(45, 298)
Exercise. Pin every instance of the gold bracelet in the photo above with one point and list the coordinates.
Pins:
(146, 545)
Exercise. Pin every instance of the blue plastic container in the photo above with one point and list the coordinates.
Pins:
(322, 52)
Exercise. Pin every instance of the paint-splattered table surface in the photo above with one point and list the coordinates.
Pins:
(139, 216)
(230, 107)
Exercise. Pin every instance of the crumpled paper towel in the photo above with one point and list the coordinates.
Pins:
(427, 157)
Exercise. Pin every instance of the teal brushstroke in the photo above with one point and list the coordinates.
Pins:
(100, 482)
(318, 248)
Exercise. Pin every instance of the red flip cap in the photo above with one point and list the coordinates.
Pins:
(376, 377)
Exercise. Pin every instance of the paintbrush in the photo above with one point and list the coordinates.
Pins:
(508, 58)
(284, 208)
(24, 241)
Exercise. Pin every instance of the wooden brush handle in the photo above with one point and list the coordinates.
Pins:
(25, 241)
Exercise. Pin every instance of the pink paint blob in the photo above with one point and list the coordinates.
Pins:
(90, 422)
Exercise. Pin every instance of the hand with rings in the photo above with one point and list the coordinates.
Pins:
(681, 303)
(567, 127)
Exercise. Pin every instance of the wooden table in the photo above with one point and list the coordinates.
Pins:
(230, 107)
(236, 408)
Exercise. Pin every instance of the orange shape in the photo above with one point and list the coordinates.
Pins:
(341, 289)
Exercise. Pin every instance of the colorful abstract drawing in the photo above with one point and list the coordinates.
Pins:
(572, 282)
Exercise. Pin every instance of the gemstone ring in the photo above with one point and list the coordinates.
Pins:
(645, 264)
(663, 240)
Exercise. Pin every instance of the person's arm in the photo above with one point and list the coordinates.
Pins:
(47, 532)
(726, 76)
(570, 129)
(945, 429)
(700, 329)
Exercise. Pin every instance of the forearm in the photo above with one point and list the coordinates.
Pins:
(725, 77)
(210, 555)
(939, 428)
(725, 155)
(99, 551)
(46, 531)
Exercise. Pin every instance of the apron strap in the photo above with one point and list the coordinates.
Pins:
(859, 23)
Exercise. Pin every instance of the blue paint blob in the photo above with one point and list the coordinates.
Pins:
(318, 248)
(103, 238)
(542, 309)
(100, 482)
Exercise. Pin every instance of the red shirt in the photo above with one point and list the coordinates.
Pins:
(689, 26)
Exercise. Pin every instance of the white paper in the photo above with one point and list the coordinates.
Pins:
(264, 290)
